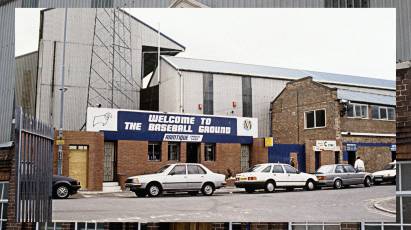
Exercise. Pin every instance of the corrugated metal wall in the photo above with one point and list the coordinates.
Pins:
(26, 82)
(7, 68)
(403, 25)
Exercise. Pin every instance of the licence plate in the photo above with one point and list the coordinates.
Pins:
(378, 179)
(243, 178)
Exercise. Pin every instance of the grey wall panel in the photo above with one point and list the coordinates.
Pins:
(64, 3)
(227, 89)
(7, 68)
(403, 25)
(26, 82)
(169, 89)
(143, 3)
(193, 92)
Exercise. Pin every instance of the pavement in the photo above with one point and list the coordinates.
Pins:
(353, 204)
(386, 205)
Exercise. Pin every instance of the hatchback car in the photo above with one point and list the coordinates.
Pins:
(342, 175)
(274, 175)
(188, 177)
(388, 174)
(63, 186)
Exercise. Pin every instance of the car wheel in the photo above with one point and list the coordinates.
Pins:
(141, 194)
(154, 190)
(250, 190)
(61, 192)
(338, 184)
(207, 189)
(309, 186)
(367, 182)
(269, 186)
(193, 193)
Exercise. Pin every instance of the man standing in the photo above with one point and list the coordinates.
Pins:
(359, 165)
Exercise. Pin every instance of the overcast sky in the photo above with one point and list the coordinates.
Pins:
(348, 41)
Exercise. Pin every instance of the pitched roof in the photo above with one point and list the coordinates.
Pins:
(370, 98)
(200, 65)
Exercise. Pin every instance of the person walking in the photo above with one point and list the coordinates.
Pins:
(359, 165)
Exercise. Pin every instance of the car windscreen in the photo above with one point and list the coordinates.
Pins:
(389, 166)
(325, 169)
(162, 169)
(255, 168)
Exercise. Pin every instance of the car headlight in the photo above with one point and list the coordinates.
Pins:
(135, 181)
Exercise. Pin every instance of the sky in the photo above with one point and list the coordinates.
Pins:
(348, 41)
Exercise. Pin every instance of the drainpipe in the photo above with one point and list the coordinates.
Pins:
(181, 91)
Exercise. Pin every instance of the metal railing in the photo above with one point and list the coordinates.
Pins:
(34, 169)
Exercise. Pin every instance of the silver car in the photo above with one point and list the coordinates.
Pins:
(341, 175)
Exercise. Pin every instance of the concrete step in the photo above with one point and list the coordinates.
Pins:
(111, 187)
(110, 184)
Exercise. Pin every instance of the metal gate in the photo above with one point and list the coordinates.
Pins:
(34, 169)
(245, 157)
(109, 161)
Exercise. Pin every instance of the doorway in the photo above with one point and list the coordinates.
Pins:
(78, 163)
(245, 158)
(192, 152)
(317, 160)
(336, 157)
(109, 169)
(352, 155)
(393, 155)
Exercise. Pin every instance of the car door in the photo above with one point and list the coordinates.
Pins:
(195, 177)
(176, 179)
(352, 176)
(340, 172)
(294, 178)
(279, 176)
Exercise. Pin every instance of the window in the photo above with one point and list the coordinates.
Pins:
(178, 170)
(154, 151)
(247, 97)
(208, 94)
(4, 192)
(267, 169)
(347, 3)
(383, 113)
(209, 152)
(195, 169)
(278, 169)
(357, 110)
(339, 169)
(315, 119)
(173, 151)
(289, 169)
(349, 168)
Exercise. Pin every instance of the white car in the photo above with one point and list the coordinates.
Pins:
(274, 175)
(179, 177)
(387, 175)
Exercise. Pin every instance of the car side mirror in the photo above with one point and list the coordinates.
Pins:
(298, 172)
(172, 173)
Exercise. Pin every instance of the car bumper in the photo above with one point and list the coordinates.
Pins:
(250, 184)
(134, 187)
(74, 189)
(381, 179)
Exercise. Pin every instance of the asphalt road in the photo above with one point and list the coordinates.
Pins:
(351, 204)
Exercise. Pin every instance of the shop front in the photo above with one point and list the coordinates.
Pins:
(140, 142)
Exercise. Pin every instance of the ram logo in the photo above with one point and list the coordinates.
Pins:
(102, 119)
(247, 124)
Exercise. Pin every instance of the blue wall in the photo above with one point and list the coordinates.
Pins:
(280, 153)
(364, 144)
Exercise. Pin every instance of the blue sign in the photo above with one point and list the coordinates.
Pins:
(138, 125)
(351, 147)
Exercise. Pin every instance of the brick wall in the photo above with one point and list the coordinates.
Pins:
(132, 158)
(289, 107)
(95, 143)
(403, 119)
(259, 153)
(6, 155)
